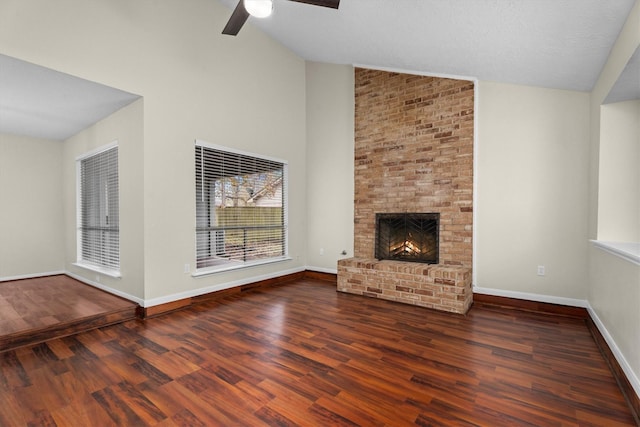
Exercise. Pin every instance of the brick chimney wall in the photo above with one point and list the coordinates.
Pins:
(414, 153)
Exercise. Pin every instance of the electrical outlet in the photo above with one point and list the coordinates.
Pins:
(187, 268)
(321, 251)
(541, 270)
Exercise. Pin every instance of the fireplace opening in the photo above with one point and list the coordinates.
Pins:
(410, 237)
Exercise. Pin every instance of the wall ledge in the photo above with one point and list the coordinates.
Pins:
(629, 251)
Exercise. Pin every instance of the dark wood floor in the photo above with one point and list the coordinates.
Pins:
(303, 354)
(35, 310)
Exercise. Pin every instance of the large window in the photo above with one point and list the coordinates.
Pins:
(98, 210)
(241, 214)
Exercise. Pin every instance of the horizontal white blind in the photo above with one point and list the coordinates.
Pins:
(240, 208)
(99, 210)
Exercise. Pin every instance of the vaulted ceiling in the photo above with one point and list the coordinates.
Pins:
(549, 43)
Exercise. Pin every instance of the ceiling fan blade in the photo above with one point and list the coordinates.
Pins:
(237, 20)
(324, 3)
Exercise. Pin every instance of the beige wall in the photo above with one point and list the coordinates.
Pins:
(619, 172)
(330, 127)
(626, 44)
(125, 127)
(532, 185)
(615, 298)
(614, 283)
(532, 170)
(31, 211)
(532, 174)
(245, 92)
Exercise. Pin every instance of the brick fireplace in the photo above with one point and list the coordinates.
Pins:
(413, 153)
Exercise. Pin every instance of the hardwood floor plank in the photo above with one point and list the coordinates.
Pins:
(345, 411)
(11, 411)
(389, 414)
(172, 399)
(185, 418)
(150, 371)
(303, 354)
(119, 411)
(273, 418)
(441, 413)
(83, 411)
(44, 419)
(90, 376)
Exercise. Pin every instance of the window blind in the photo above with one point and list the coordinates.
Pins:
(240, 208)
(99, 232)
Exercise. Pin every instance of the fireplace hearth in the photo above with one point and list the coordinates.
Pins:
(409, 237)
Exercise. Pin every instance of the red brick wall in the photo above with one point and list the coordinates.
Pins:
(414, 153)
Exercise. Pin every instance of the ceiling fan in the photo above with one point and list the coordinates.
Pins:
(262, 9)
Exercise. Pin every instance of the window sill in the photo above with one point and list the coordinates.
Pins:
(105, 271)
(236, 266)
(629, 251)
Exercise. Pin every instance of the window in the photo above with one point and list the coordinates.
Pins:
(241, 211)
(98, 210)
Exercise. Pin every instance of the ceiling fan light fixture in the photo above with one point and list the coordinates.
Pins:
(259, 8)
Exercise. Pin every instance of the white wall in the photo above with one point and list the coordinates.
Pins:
(31, 211)
(615, 299)
(614, 283)
(125, 127)
(245, 92)
(330, 176)
(619, 172)
(533, 148)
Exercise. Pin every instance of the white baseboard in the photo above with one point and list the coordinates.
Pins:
(532, 297)
(101, 286)
(32, 276)
(219, 287)
(322, 269)
(631, 376)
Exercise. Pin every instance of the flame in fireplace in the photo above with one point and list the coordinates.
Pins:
(407, 247)
(407, 237)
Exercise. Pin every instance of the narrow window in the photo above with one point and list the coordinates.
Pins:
(241, 210)
(98, 210)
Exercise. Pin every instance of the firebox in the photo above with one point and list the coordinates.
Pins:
(410, 237)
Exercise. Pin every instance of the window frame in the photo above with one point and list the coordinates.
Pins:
(80, 259)
(238, 265)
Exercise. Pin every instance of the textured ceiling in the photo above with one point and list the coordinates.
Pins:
(550, 43)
